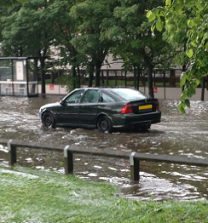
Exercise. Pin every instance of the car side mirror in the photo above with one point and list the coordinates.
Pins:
(62, 102)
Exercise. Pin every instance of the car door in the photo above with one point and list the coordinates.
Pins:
(89, 108)
(69, 111)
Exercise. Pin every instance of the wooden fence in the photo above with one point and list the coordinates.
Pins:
(69, 150)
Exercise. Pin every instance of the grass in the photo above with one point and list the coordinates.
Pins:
(33, 196)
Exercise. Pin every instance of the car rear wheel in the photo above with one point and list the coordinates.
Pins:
(48, 120)
(104, 125)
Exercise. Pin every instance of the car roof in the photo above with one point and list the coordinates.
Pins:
(105, 88)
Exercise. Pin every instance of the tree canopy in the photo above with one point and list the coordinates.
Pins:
(85, 32)
(190, 18)
(134, 41)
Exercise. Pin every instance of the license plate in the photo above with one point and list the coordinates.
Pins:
(145, 107)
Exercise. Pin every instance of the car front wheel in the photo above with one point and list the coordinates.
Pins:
(48, 120)
(104, 125)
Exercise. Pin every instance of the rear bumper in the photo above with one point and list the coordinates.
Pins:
(130, 120)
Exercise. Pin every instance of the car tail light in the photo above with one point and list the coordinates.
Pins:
(157, 106)
(127, 109)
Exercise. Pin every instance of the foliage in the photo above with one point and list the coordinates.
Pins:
(134, 41)
(68, 82)
(82, 33)
(27, 29)
(36, 196)
(194, 15)
(11, 2)
(89, 16)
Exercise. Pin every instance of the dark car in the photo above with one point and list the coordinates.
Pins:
(102, 108)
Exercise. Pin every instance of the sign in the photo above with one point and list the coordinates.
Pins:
(51, 87)
(155, 89)
(19, 71)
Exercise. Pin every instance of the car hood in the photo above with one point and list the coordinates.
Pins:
(50, 106)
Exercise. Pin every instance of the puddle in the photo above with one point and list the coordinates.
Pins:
(183, 135)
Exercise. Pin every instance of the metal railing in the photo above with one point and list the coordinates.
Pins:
(69, 150)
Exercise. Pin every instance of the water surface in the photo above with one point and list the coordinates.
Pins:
(183, 135)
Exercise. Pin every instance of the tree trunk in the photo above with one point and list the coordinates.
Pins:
(138, 77)
(150, 85)
(42, 64)
(150, 67)
(103, 82)
(97, 78)
(74, 77)
(91, 71)
(125, 78)
(78, 78)
(135, 79)
(202, 89)
(42, 55)
(90, 79)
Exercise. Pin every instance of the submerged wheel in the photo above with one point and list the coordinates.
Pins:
(48, 120)
(104, 125)
(145, 128)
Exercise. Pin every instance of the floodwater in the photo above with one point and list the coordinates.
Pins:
(182, 135)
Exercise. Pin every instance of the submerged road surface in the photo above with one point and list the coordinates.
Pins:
(183, 135)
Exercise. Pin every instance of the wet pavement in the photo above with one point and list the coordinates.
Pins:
(183, 135)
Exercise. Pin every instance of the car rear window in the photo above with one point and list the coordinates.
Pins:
(129, 94)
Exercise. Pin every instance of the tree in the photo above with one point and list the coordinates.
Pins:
(64, 28)
(134, 41)
(11, 2)
(89, 16)
(27, 32)
(194, 13)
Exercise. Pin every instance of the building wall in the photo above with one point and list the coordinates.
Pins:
(172, 93)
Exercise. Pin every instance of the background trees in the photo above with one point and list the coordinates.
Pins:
(135, 43)
(84, 33)
(27, 31)
(89, 16)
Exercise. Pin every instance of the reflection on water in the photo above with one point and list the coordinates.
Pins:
(184, 135)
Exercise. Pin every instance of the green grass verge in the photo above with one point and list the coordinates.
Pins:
(29, 195)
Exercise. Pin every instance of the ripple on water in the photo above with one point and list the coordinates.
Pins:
(183, 135)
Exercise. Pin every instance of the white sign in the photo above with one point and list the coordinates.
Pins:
(19, 71)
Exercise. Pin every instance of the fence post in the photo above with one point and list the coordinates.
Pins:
(68, 161)
(12, 153)
(134, 167)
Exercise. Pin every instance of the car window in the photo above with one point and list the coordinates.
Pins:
(107, 98)
(75, 97)
(129, 94)
(91, 96)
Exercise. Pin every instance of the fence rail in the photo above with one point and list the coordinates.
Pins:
(69, 150)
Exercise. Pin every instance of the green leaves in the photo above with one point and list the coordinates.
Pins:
(183, 79)
(168, 2)
(190, 53)
(181, 107)
(151, 16)
(159, 24)
(206, 46)
(186, 27)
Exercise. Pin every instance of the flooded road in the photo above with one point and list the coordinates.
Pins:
(183, 135)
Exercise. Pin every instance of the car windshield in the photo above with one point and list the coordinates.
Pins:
(129, 94)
